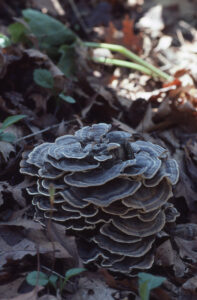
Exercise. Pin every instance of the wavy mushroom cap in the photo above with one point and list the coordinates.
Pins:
(110, 192)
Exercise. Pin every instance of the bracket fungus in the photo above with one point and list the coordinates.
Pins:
(110, 192)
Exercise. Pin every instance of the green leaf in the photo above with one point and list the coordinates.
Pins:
(53, 280)
(147, 282)
(68, 99)
(67, 61)
(37, 278)
(7, 137)
(11, 120)
(4, 41)
(49, 31)
(43, 78)
(73, 272)
(17, 32)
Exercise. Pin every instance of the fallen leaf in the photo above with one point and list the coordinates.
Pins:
(126, 36)
(92, 289)
(112, 34)
(19, 238)
(185, 231)
(187, 249)
(131, 40)
(191, 285)
(5, 150)
(10, 290)
(166, 256)
(15, 251)
(33, 295)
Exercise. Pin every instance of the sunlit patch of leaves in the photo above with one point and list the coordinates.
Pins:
(4, 41)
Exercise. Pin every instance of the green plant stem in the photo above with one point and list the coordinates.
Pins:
(132, 56)
(122, 63)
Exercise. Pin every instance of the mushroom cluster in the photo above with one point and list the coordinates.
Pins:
(110, 192)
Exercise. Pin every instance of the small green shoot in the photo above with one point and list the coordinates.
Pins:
(68, 99)
(18, 32)
(53, 280)
(7, 136)
(11, 120)
(122, 63)
(37, 278)
(4, 41)
(71, 273)
(67, 60)
(147, 282)
(132, 56)
(41, 279)
(60, 42)
(43, 78)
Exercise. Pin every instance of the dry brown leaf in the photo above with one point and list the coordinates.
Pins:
(33, 295)
(15, 250)
(187, 249)
(185, 231)
(185, 186)
(10, 290)
(191, 285)
(99, 290)
(125, 37)
(16, 243)
(123, 126)
(8, 56)
(44, 60)
(5, 150)
(166, 256)
(131, 40)
(112, 34)
(57, 233)
(146, 123)
(16, 191)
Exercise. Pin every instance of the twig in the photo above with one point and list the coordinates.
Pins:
(127, 53)
(43, 130)
(52, 271)
(78, 16)
(58, 7)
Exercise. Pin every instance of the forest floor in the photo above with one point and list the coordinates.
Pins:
(50, 86)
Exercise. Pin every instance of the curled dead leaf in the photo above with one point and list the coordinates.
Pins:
(187, 249)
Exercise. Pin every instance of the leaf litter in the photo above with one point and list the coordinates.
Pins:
(134, 102)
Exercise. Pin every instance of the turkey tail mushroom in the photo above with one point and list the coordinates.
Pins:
(110, 192)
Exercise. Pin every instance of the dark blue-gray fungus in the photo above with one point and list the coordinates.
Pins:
(110, 192)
